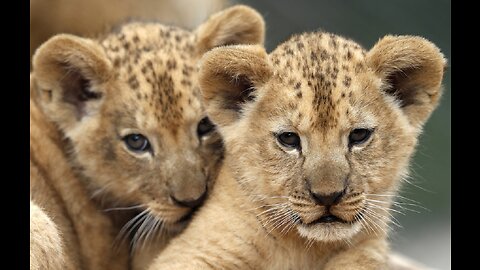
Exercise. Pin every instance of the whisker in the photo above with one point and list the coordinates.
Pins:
(380, 218)
(123, 208)
(387, 208)
(122, 235)
(375, 224)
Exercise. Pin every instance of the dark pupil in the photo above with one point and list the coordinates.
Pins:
(137, 142)
(359, 135)
(289, 139)
(204, 126)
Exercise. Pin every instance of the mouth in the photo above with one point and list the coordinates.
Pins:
(328, 219)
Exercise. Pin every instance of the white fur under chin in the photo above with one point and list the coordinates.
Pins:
(328, 232)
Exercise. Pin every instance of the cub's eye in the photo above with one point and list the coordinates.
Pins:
(137, 142)
(359, 135)
(289, 139)
(204, 127)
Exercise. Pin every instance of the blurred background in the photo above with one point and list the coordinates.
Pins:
(425, 232)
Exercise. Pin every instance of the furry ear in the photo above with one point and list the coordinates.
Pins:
(411, 69)
(229, 76)
(235, 25)
(67, 72)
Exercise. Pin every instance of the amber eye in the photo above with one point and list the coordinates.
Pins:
(289, 139)
(204, 127)
(358, 136)
(137, 142)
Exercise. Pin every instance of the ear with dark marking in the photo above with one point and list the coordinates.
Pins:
(411, 69)
(67, 73)
(229, 76)
(235, 25)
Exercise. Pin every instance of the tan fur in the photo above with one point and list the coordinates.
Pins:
(89, 18)
(86, 96)
(44, 239)
(265, 211)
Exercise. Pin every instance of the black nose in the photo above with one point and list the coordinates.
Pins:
(329, 199)
(191, 203)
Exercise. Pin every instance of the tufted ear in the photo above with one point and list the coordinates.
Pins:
(235, 25)
(411, 69)
(229, 77)
(66, 78)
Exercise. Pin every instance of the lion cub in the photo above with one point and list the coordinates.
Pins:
(119, 139)
(318, 135)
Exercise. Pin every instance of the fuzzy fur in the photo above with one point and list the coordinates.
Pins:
(262, 213)
(86, 95)
(89, 18)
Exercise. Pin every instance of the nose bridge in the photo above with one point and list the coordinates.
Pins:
(327, 172)
(186, 177)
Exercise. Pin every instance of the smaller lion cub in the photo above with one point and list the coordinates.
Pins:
(318, 136)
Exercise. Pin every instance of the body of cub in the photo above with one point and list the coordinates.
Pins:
(121, 151)
(318, 136)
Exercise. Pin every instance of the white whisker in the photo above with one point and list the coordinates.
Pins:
(123, 208)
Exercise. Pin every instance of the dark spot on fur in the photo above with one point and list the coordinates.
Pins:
(347, 81)
(324, 55)
(185, 82)
(333, 41)
(349, 55)
(133, 82)
(136, 39)
(299, 94)
(171, 64)
(116, 62)
(298, 85)
(358, 67)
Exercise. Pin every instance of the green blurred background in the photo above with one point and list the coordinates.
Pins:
(425, 236)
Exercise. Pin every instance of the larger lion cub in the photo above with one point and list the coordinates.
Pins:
(318, 136)
(120, 145)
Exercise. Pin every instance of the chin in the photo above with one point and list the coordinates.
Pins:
(329, 232)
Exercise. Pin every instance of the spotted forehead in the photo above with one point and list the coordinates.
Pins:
(322, 70)
(157, 66)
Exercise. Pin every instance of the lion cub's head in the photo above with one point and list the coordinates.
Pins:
(130, 108)
(320, 132)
